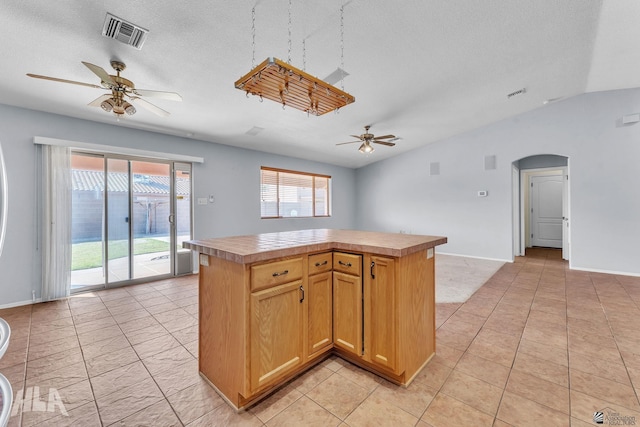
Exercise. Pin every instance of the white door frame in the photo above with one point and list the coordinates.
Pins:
(525, 176)
(515, 211)
(536, 238)
(519, 203)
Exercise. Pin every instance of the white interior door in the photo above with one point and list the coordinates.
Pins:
(546, 211)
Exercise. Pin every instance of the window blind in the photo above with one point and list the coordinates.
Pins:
(289, 194)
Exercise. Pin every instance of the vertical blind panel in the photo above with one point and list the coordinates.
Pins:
(321, 196)
(296, 196)
(269, 194)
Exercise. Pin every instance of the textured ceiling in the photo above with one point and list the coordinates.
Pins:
(422, 70)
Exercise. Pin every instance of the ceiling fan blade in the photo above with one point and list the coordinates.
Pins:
(350, 142)
(384, 137)
(100, 72)
(357, 136)
(149, 106)
(171, 96)
(388, 144)
(54, 79)
(99, 100)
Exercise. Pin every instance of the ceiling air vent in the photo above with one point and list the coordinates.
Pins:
(336, 76)
(517, 92)
(124, 31)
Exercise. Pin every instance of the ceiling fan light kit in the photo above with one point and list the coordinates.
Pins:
(120, 88)
(366, 148)
(281, 82)
(367, 138)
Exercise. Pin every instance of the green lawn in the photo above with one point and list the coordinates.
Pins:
(89, 254)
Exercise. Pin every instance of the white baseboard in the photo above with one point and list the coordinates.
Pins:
(19, 303)
(476, 257)
(598, 270)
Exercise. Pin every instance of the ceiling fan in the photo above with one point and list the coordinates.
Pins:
(122, 91)
(367, 138)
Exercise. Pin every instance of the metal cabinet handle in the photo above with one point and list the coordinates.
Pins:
(318, 264)
(302, 290)
(373, 264)
(276, 274)
(346, 264)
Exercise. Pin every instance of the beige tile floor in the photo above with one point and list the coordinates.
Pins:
(538, 344)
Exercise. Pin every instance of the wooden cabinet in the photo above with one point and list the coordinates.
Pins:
(381, 322)
(320, 314)
(276, 332)
(347, 303)
(347, 312)
(263, 322)
(275, 273)
(291, 316)
(320, 263)
(319, 304)
(276, 316)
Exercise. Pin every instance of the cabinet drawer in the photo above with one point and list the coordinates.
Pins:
(347, 263)
(275, 273)
(320, 263)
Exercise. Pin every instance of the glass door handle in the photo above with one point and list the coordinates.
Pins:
(172, 219)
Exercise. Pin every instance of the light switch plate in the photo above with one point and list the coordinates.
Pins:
(202, 200)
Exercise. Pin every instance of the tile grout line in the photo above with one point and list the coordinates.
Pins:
(635, 391)
(143, 364)
(26, 363)
(84, 360)
(566, 319)
(504, 389)
(467, 348)
(165, 397)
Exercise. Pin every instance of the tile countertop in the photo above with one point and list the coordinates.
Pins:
(264, 247)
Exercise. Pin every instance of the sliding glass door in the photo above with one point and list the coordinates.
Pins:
(150, 213)
(182, 218)
(129, 217)
(118, 212)
(88, 238)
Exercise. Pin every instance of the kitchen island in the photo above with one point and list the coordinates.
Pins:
(272, 305)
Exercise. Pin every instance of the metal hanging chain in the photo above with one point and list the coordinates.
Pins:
(289, 56)
(253, 37)
(342, 45)
(304, 54)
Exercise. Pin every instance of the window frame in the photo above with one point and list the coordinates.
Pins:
(313, 177)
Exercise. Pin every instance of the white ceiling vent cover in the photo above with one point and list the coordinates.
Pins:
(124, 31)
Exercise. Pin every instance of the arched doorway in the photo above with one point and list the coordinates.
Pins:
(541, 203)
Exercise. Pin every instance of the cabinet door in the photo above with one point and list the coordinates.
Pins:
(380, 310)
(320, 303)
(347, 312)
(276, 332)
